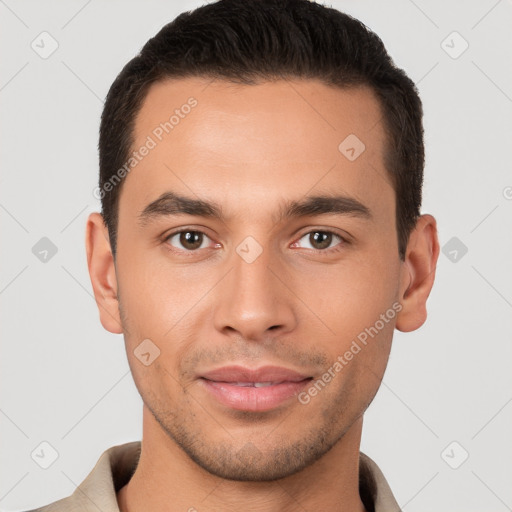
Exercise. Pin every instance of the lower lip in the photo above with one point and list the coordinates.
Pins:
(249, 398)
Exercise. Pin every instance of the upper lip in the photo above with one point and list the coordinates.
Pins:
(263, 374)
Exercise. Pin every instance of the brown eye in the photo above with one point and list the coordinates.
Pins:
(189, 240)
(320, 239)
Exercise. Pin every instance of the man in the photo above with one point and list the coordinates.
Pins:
(261, 165)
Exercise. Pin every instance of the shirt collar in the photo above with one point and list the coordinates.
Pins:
(116, 466)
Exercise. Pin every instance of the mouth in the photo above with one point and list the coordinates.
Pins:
(256, 390)
(253, 384)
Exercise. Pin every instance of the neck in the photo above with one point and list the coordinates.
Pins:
(166, 479)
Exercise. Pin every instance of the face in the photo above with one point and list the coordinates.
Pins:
(255, 253)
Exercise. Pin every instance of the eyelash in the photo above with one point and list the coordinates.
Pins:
(338, 247)
(330, 250)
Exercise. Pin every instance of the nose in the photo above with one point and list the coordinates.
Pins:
(253, 302)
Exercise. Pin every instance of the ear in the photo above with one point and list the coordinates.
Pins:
(417, 274)
(102, 272)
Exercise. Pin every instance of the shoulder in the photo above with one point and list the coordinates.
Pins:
(98, 491)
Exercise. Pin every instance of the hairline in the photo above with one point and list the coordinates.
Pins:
(254, 79)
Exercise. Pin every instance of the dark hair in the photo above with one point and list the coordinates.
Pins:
(250, 41)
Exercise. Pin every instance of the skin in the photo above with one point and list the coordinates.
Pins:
(298, 305)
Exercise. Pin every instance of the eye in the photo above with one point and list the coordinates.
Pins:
(189, 240)
(319, 240)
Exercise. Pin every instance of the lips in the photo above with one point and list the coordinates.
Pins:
(254, 384)
(246, 389)
(233, 374)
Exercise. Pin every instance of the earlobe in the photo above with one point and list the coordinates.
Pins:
(102, 272)
(418, 273)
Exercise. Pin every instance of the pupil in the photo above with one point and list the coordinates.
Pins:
(320, 239)
(191, 239)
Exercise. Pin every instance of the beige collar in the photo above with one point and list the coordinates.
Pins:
(116, 466)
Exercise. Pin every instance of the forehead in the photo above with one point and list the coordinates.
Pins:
(316, 109)
(211, 138)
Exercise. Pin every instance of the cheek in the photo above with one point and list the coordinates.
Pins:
(357, 302)
(359, 355)
(160, 305)
(351, 296)
(153, 298)
(158, 383)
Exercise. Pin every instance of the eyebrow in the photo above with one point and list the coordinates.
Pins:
(170, 203)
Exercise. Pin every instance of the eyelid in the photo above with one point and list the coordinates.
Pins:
(185, 229)
(345, 240)
(182, 229)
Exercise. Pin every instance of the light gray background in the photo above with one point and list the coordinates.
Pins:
(65, 380)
